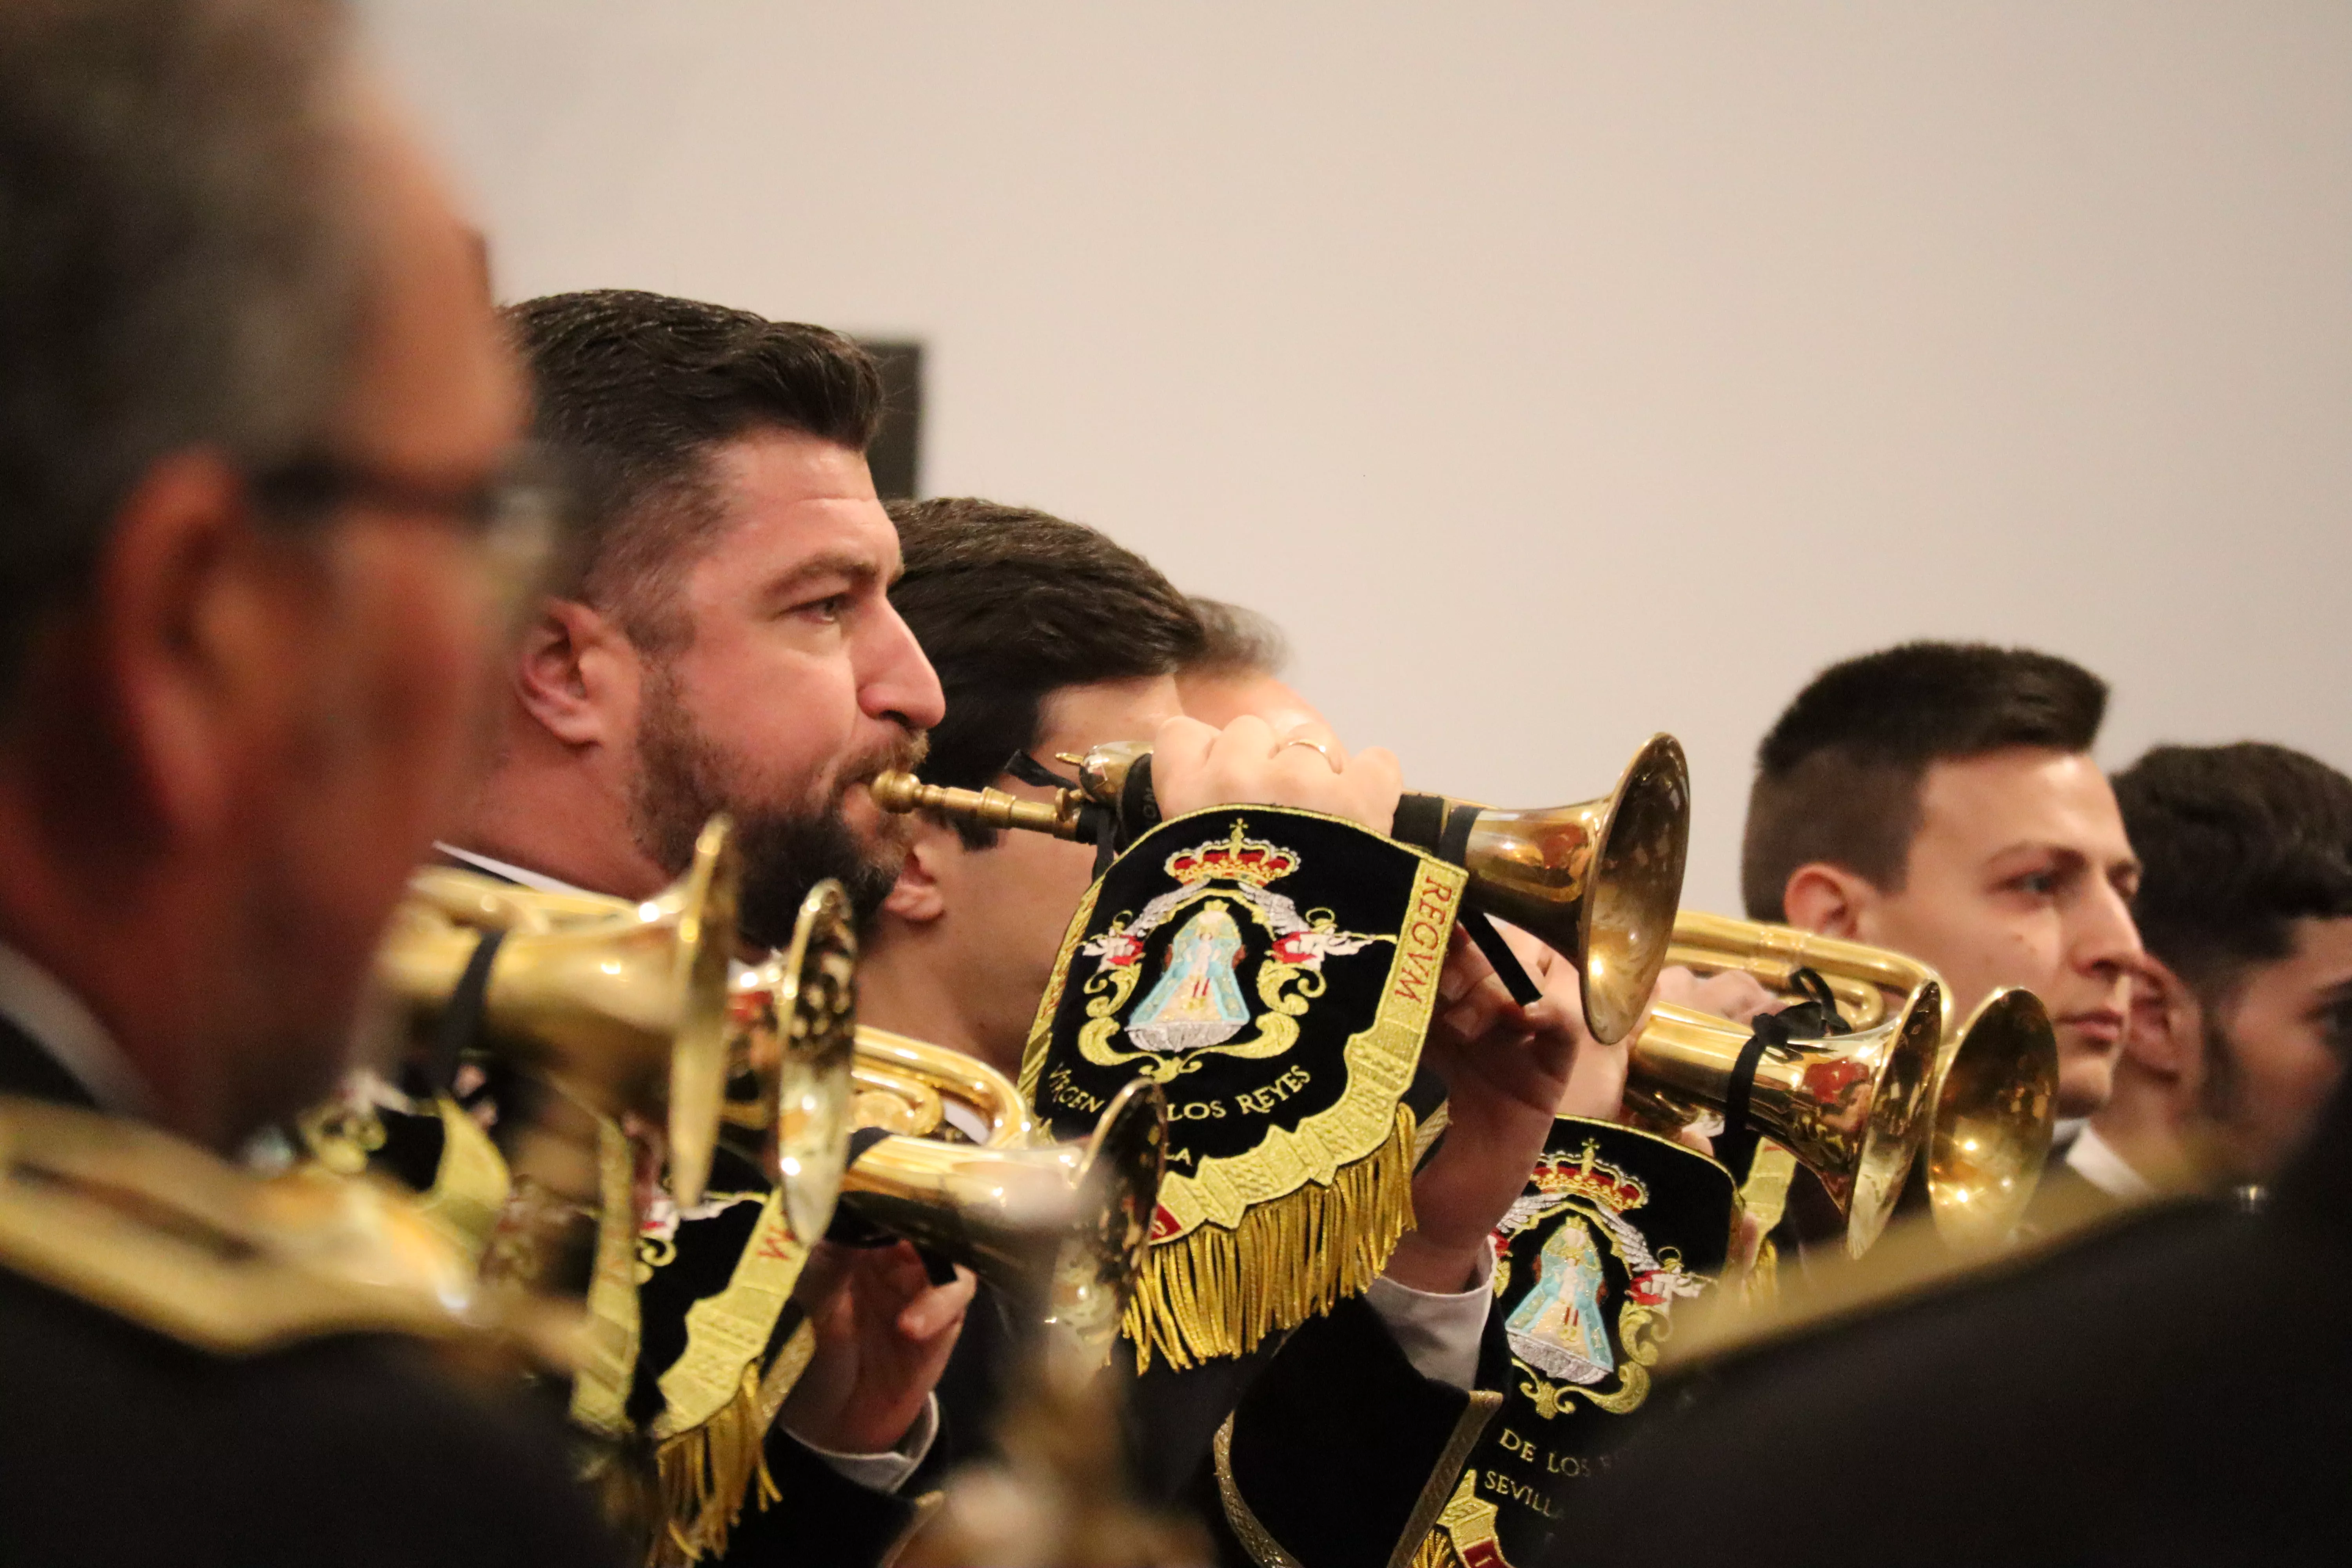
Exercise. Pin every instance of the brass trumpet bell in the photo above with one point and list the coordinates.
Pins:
(792, 1030)
(1852, 1108)
(1993, 1101)
(622, 1006)
(1597, 881)
(1060, 1229)
(1995, 1098)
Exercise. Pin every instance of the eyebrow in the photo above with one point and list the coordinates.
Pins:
(2130, 863)
(857, 569)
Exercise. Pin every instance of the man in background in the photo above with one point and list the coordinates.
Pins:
(1048, 638)
(253, 413)
(1940, 799)
(1239, 668)
(2242, 1014)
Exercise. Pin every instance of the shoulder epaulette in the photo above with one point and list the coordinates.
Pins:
(164, 1235)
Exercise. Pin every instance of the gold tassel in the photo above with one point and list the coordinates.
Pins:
(706, 1474)
(1435, 1551)
(1218, 1292)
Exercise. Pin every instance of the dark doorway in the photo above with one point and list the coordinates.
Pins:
(897, 452)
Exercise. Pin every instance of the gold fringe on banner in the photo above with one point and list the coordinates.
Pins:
(707, 1474)
(1435, 1551)
(1218, 1290)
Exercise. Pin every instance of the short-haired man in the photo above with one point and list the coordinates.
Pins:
(2242, 1014)
(1048, 638)
(1940, 799)
(252, 406)
(719, 639)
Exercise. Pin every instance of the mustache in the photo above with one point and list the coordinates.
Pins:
(903, 755)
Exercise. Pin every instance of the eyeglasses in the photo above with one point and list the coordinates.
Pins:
(513, 515)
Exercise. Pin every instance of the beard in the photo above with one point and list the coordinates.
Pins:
(684, 779)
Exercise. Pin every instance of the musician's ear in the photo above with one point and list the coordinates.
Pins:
(916, 897)
(1828, 901)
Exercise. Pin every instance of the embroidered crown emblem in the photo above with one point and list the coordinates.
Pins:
(1589, 1176)
(1234, 859)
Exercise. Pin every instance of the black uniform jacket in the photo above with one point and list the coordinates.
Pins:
(118, 1446)
(2173, 1388)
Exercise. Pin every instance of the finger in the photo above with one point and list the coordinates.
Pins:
(1248, 736)
(1465, 967)
(824, 1273)
(939, 1308)
(893, 1276)
(1486, 1005)
(1311, 733)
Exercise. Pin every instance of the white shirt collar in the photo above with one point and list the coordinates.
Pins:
(520, 875)
(58, 1021)
(2095, 1160)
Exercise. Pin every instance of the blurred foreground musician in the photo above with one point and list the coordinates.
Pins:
(2241, 1014)
(1940, 799)
(2073, 1406)
(255, 405)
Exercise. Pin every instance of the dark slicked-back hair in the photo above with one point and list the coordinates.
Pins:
(1237, 640)
(1837, 778)
(180, 261)
(2236, 843)
(632, 391)
(1012, 604)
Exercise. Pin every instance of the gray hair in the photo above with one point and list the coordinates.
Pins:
(1241, 641)
(177, 263)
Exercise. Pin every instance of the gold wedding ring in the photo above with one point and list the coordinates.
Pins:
(1316, 746)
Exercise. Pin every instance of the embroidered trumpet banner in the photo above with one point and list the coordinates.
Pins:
(1615, 1228)
(1274, 971)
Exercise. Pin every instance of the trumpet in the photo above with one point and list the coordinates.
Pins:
(1060, 1228)
(1848, 1107)
(1598, 881)
(622, 1007)
(792, 1024)
(1992, 1096)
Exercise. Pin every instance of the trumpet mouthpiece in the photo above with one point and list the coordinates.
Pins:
(898, 792)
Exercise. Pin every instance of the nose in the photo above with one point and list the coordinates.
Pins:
(2107, 941)
(897, 681)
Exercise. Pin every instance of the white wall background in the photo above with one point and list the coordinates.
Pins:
(1557, 372)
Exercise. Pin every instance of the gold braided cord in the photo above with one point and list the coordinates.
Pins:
(1218, 1290)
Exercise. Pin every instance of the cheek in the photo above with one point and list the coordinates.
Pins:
(787, 721)
(1045, 882)
(401, 671)
(413, 718)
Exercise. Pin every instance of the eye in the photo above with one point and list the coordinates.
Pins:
(2042, 884)
(830, 608)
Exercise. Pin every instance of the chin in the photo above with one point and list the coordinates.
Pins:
(2086, 1075)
